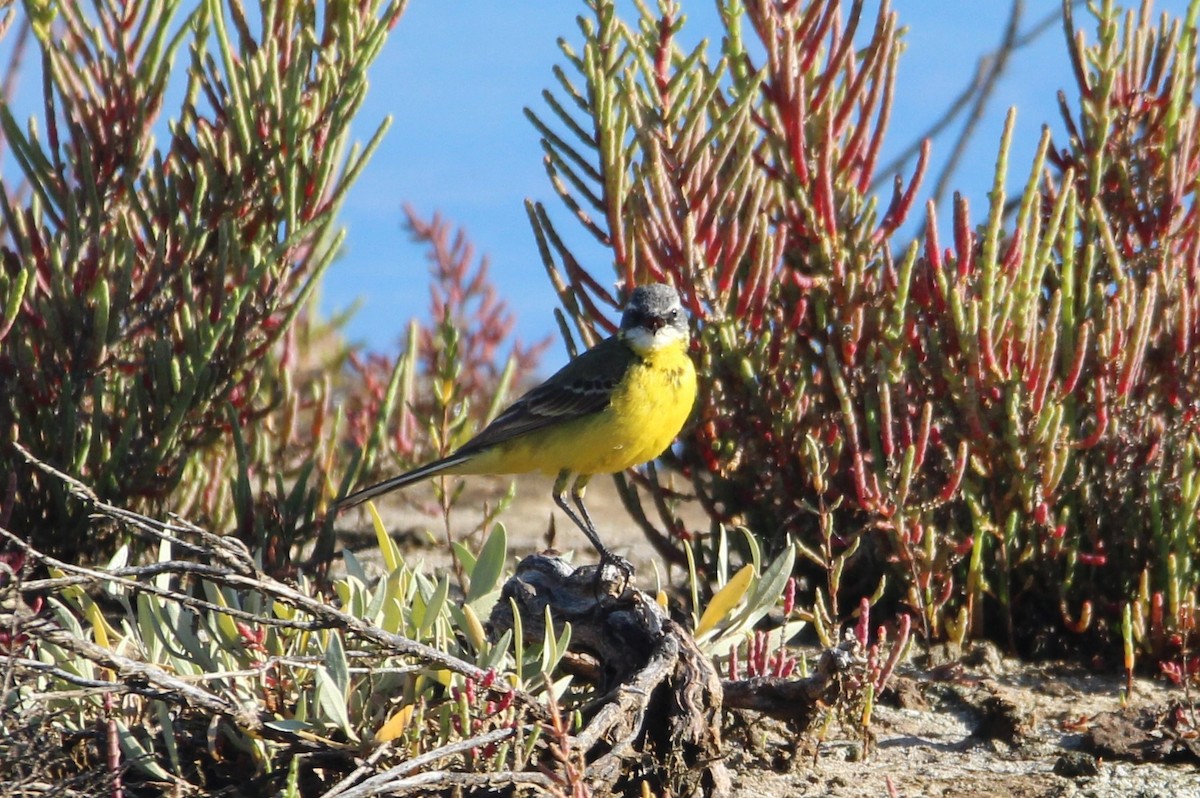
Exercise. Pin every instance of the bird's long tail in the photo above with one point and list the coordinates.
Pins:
(407, 478)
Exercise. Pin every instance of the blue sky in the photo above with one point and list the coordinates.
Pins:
(455, 77)
(456, 74)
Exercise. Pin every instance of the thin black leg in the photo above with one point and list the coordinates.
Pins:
(606, 556)
(583, 518)
(560, 498)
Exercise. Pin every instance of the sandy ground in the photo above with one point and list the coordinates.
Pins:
(982, 725)
(1002, 728)
(533, 522)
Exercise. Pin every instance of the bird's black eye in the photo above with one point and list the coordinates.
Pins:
(674, 314)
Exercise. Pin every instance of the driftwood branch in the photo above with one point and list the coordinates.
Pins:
(795, 701)
(393, 781)
(659, 718)
(452, 782)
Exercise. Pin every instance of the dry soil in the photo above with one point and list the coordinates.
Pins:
(978, 724)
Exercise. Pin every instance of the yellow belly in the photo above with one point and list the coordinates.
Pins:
(645, 415)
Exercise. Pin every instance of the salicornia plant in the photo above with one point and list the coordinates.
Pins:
(994, 431)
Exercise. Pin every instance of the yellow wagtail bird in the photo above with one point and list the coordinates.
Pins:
(617, 405)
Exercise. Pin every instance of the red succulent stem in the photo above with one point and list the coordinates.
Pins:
(1081, 347)
(960, 469)
(922, 443)
(964, 239)
(862, 628)
(932, 245)
(902, 203)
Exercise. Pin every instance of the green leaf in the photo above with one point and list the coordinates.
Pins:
(393, 615)
(387, 546)
(722, 555)
(553, 648)
(336, 663)
(437, 602)
(194, 659)
(377, 597)
(490, 564)
(354, 567)
(464, 618)
(141, 757)
(549, 650)
(770, 587)
(353, 594)
(332, 701)
(518, 638)
(225, 625)
(163, 581)
(119, 560)
(755, 548)
(495, 656)
(465, 558)
(416, 610)
(150, 627)
(559, 688)
(288, 725)
(167, 727)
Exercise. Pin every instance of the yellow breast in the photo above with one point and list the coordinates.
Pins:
(646, 414)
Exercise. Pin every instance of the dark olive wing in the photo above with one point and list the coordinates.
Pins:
(582, 387)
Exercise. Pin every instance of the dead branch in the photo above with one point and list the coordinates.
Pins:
(796, 701)
(451, 782)
(236, 570)
(143, 678)
(973, 99)
(659, 718)
(136, 577)
(392, 781)
(227, 549)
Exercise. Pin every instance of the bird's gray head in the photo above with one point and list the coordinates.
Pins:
(653, 318)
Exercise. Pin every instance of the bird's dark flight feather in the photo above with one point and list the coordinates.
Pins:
(583, 387)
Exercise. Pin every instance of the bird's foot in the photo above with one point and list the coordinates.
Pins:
(614, 573)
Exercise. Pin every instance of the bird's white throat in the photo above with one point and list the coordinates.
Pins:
(642, 340)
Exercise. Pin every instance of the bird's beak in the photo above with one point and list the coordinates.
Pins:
(654, 324)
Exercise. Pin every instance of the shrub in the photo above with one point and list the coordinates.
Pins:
(999, 429)
(147, 291)
(209, 675)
